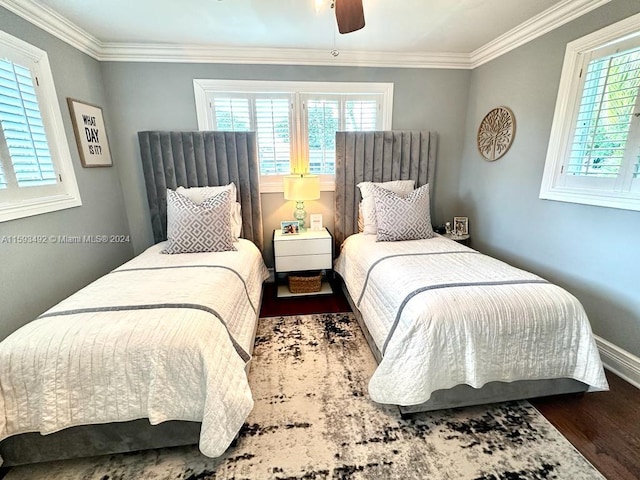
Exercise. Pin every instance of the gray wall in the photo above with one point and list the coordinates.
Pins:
(159, 96)
(591, 251)
(34, 277)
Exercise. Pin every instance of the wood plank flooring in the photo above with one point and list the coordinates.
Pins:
(603, 426)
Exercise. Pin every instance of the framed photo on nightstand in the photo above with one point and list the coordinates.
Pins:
(460, 225)
(290, 227)
(315, 220)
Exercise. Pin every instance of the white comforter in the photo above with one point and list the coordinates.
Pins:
(443, 314)
(144, 341)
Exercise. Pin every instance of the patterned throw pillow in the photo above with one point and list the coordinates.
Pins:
(204, 227)
(367, 209)
(200, 194)
(403, 218)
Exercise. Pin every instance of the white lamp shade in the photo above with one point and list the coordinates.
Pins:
(301, 188)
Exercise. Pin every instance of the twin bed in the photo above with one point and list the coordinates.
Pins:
(156, 352)
(448, 326)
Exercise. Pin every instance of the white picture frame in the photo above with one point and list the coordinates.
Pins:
(290, 227)
(91, 134)
(315, 221)
(460, 226)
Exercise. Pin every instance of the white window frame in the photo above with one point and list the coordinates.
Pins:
(577, 56)
(64, 194)
(274, 183)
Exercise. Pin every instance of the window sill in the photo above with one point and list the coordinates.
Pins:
(590, 198)
(275, 184)
(39, 206)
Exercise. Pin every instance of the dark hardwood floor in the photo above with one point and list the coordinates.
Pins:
(603, 426)
(306, 305)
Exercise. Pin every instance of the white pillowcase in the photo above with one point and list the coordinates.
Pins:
(368, 206)
(200, 194)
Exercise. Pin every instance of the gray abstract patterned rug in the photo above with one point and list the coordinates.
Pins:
(313, 420)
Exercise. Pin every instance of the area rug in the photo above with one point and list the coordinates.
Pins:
(313, 420)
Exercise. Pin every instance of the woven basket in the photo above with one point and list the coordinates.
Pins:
(305, 283)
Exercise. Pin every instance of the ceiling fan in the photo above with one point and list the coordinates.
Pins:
(349, 15)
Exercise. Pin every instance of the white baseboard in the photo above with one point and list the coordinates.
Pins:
(619, 361)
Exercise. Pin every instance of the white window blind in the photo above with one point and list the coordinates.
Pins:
(265, 114)
(327, 114)
(606, 110)
(594, 149)
(36, 172)
(295, 121)
(274, 135)
(23, 129)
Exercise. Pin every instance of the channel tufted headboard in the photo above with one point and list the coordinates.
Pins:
(197, 159)
(378, 157)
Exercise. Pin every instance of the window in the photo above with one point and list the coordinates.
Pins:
(594, 150)
(36, 175)
(295, 121)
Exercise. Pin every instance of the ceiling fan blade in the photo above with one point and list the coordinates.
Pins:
(349, 15)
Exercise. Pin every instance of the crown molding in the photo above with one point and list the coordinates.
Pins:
(52, 22)
(552, 18)
(55, 24)
(116, 52)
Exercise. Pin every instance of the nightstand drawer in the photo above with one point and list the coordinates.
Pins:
(296, 263)
(295, 246)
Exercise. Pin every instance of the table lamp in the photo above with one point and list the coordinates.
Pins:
(300, 188)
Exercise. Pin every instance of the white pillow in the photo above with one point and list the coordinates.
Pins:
(200, 194)
(368, 206)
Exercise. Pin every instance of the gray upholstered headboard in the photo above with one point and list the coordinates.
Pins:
(197, 159)
(377, 157)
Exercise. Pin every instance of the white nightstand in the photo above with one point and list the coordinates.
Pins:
(308, 250)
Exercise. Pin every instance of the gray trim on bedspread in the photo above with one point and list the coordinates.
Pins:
(377, 262)
(378, 157)
(198, 159)
(246, 289)
(448, 285)
(123, 308)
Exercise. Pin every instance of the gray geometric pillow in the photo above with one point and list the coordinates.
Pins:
(204, 227)
(403, 218)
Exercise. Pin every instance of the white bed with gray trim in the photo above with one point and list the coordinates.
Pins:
(441, 314)
(154, 354)
(171, 345)
(448, 326)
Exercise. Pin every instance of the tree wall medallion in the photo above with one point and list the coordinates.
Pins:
(496, 133)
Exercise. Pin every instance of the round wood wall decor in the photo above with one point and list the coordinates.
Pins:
(496, 133)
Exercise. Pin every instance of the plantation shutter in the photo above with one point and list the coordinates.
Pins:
(362, 115)
(605, 146)
(328, 113)
(323, 120)
(24, 141)
(268, 115)
(273, 125)
(232, 114)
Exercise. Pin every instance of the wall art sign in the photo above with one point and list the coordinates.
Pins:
(496, 132)
(91, 134)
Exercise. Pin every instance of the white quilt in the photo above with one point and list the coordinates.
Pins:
(443, 314)
(144, 341)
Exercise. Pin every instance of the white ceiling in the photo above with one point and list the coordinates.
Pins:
(411, 31)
